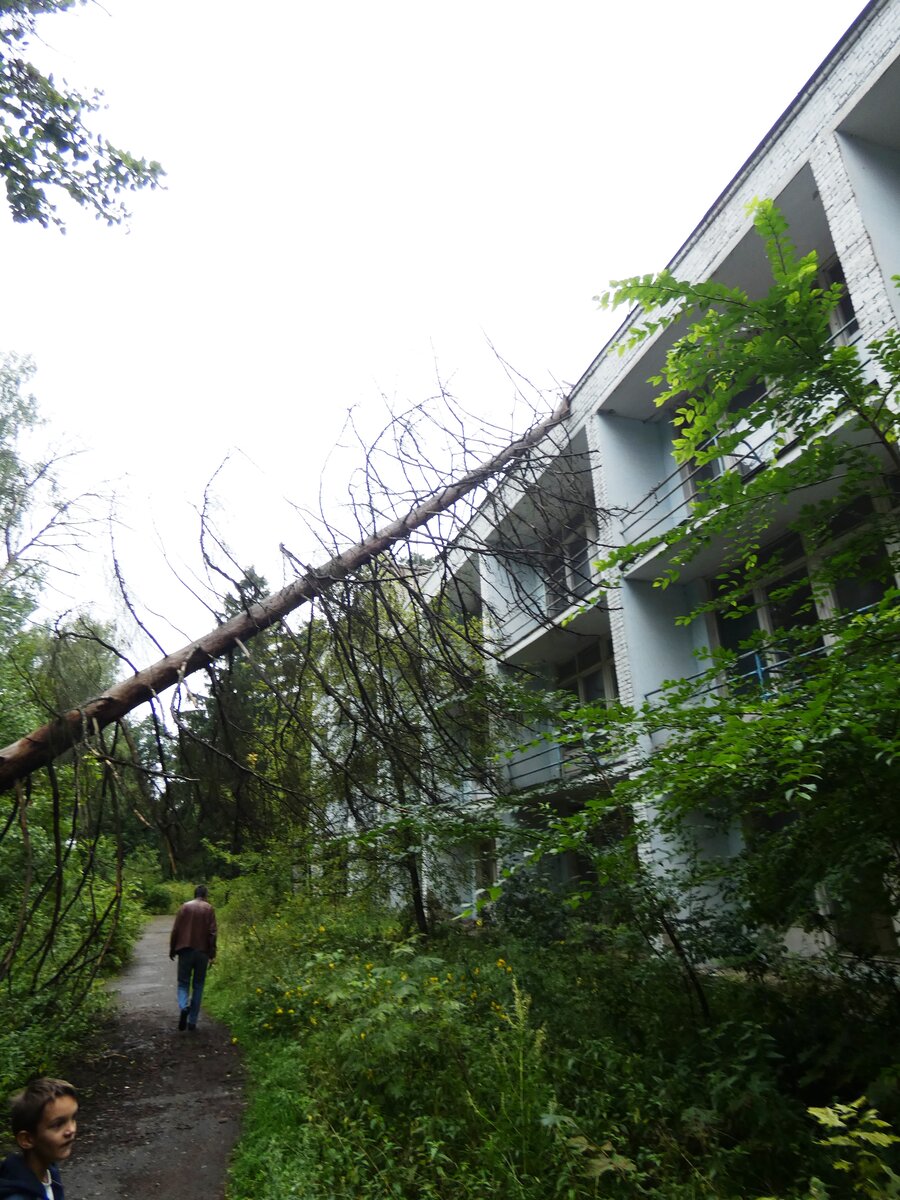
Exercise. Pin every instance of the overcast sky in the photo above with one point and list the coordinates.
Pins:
(361, 195)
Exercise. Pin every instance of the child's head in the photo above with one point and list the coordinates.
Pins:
(43, 1122)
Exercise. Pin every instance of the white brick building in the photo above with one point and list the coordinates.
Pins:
(832, 165)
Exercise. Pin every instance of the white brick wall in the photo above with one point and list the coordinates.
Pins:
(867, 285)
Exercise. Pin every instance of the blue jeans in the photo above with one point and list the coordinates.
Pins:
(192, 966)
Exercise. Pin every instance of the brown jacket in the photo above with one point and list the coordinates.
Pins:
(194, 928)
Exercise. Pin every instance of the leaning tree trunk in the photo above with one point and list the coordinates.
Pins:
(45, 744)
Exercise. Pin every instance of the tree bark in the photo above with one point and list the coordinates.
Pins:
(415, 888)
(43, 745)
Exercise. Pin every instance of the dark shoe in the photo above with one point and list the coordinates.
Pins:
(192, 1028)
(182, 1020)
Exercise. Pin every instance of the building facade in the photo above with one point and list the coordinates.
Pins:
(832, 166)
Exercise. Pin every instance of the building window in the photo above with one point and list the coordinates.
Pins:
(761, 443)
(757, 446)
(591, 674)
(775, 608)
(769, 613)
(844, 325)
(568, 566)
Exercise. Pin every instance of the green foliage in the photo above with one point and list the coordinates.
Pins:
(782, 340)
(64, 920)
(143, 878)
(493, 1064)
(357, 738)
(241, 762)
(406, 1073)
(859, 1145)
(858, 1142)
(806, 770)
(47, 144)
(55, 991)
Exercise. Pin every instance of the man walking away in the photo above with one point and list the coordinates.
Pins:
(194, 941)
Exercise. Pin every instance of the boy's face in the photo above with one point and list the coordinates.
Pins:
(54, 1137)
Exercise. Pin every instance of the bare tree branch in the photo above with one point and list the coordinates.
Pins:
(43, 745)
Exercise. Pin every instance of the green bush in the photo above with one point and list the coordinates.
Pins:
(409, 1073)
(53, 997)
(481, 1064)
(144, 878)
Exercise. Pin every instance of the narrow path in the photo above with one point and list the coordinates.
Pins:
(160, 1110)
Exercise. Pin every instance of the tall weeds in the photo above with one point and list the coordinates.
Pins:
(382, 1066)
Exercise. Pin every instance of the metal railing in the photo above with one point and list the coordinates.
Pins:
(766, 667)
(648, 517)
(549, 761)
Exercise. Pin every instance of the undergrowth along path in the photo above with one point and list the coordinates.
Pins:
(160, 1110)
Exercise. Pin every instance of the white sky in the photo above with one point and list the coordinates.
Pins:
(355, 192)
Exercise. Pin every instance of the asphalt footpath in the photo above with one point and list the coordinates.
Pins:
(160, 1109)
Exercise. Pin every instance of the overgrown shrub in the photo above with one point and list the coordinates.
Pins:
(51, 1000)
(482, 1064)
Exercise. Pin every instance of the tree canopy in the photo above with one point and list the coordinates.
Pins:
(48, 145)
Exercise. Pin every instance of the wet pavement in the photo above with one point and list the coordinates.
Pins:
(160, 1110)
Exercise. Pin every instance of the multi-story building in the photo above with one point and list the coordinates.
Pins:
(832, 165)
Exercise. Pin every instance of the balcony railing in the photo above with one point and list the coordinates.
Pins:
(668, 504)
(546, 598)
(548, 762)
(766, 669)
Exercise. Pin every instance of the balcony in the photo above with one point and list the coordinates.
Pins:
(555, 770)
(545, 583)
(670, 502)
(774, 666)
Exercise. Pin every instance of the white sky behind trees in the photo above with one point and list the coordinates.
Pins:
(361, 195)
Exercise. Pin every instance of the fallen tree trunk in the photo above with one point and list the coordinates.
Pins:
(43, 745)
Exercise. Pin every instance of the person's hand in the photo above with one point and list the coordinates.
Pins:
(171, 958)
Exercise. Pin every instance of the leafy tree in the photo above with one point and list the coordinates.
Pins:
(763, 376)
(60, 878)
(47, 144)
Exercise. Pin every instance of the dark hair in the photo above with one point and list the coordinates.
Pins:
(27, 1106)
(200, 891)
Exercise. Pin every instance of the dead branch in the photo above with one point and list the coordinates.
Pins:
(43, 745)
